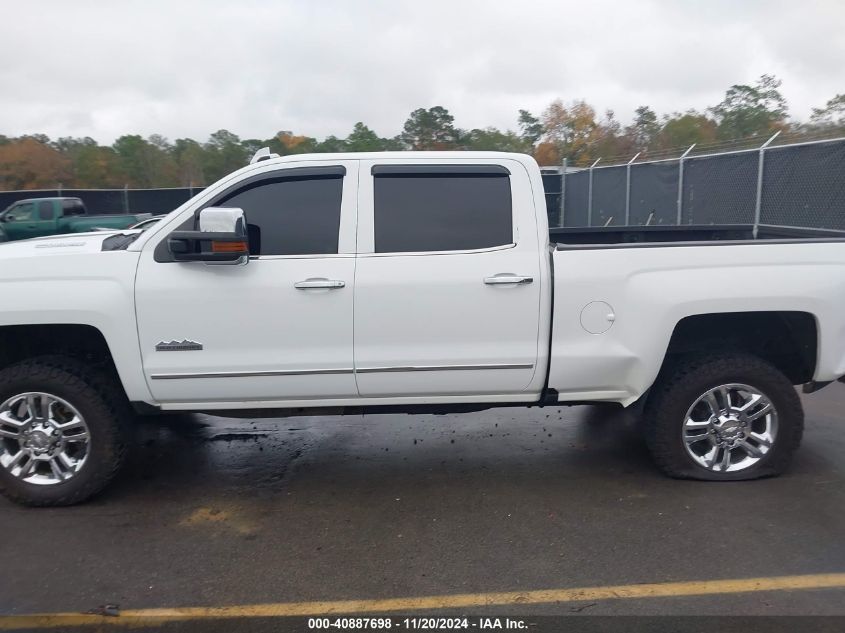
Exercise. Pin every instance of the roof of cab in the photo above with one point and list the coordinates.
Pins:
(409, 155)
(48, 198)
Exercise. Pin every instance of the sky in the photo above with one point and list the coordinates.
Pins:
(186, 68)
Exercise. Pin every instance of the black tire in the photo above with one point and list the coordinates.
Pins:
(683, 382)
(101, 402)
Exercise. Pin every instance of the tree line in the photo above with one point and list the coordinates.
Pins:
(747, 115)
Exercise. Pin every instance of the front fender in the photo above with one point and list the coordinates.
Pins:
(81, 288)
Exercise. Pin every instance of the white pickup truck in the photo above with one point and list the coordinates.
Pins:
(404, 282)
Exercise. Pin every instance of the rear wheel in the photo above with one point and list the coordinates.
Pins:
(61, 431)
(725, 417)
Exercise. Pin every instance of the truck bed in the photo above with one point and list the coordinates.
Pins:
(617, 305)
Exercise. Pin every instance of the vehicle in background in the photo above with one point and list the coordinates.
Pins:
(242, 300)
(39, 217)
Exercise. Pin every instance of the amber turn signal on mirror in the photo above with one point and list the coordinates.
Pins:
(228, 247)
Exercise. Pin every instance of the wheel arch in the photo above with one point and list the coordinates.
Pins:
(789, 340)
(82, 342)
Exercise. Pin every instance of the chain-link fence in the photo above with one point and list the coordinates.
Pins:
(104, 201)
(796, 185)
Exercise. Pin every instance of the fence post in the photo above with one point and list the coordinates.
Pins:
(590, 195)
(759, 203)
(628, 190)
(59, 190)
(561, 216)
(681, 184)
(126, 198)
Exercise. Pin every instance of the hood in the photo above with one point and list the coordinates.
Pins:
(73, 243)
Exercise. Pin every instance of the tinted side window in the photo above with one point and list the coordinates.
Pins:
(23, 212)
(45, 210)
(73, 207)
(441, 211)
(290, 216)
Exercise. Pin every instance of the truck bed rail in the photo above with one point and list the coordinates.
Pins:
(667, 235)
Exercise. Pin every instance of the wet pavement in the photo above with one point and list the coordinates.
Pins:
(215, 511)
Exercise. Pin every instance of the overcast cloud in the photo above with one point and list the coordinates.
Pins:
(188, 68)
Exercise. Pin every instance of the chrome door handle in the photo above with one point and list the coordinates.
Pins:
(504, 278)
(319, 282)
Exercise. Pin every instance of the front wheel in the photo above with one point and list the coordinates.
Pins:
(725, 417)
(61, 431)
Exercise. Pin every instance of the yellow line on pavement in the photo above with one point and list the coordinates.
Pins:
(516, 599)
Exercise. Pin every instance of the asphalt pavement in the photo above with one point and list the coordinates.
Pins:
(216, 511)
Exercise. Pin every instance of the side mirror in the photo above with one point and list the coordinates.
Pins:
(8, 218)
(222, 238)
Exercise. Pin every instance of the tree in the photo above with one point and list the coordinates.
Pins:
(286, 142)
(682, 130)
(28, 163)
(90, 164)
(430, 129)
(41, 138)
(96, 166)
(832, 114)
(751, 110)
(394, 144)
(530, 128)
(252, 145)
(644, 130)
(146, 163)
(163, 164)
(190, 158)
(572, 129)
(608, 139)
(130, 150)
(330, 145)
(223, 155)
(547, 154)
(493, 140)
(363, 139)
(69, 144)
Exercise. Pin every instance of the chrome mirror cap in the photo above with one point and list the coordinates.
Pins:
(222, 220)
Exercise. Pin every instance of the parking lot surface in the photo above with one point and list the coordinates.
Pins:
(216, 512)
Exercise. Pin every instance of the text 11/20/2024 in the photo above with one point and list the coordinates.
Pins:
(416, 623)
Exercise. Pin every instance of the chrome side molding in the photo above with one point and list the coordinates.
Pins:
(373, 370)
(312, 372)
(250, 374)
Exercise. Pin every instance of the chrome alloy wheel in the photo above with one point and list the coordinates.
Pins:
(729, 428)
(43, 438)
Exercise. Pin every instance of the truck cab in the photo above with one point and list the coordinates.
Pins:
(442, 260)
(38, 217)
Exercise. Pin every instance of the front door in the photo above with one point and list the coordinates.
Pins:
(44, 221)
(21, 221)
(278, 329)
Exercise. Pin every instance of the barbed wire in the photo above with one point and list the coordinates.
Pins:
(748, 143)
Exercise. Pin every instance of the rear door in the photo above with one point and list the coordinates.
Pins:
(447, 283)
